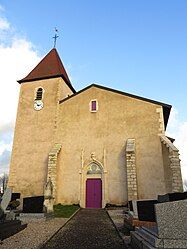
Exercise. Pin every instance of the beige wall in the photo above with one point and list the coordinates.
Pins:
(82, 134)
(34, 135)
(119, 117)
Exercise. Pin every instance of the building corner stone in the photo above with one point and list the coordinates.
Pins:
(132, 186)
(52, 167)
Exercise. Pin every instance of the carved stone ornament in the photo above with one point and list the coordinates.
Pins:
(48, 192)
(93, 156)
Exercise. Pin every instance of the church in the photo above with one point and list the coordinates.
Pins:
(97, 146)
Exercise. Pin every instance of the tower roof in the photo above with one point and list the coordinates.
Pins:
(49, 67)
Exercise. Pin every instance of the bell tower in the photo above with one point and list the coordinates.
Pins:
(36, 123)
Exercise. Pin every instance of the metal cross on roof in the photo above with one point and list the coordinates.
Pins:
(55, 37)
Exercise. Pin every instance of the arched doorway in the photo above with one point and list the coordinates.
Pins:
(94, 186)
(93, 193)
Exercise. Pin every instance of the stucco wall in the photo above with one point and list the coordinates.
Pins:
(34, 135)
(119, 117)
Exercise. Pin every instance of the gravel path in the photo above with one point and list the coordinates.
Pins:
(34, 235)
(89, 228)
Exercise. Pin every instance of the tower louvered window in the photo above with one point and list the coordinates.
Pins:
(39, 94)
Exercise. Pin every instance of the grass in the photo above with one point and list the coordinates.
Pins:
(65, 211)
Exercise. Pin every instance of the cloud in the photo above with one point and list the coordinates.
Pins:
(5, 160)
(4, 24)
(16, 61)
(178, 130)
(6, 135)
(18, 57)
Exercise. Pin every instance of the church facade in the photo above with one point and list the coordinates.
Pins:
(97, 146)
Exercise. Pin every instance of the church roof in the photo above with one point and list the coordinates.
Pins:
(49, 67)
(166, 107)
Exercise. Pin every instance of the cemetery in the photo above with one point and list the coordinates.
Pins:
(143, 224)
(17, 213)
(9, 224)
(160, 223)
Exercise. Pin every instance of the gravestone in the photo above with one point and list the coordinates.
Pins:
(143, 209)
(146, 210)
(15, 196)
(172, 197)
(8, 223)
(15, 201)
(135, 210)
(130, 205)
(9, 228)
(1, 213)
(172, 223)
(33, 204)
(6, 199)
(170, 231)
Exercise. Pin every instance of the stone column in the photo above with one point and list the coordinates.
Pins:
(177, 185)
(131, 170)
(52, 166)
(105, 177)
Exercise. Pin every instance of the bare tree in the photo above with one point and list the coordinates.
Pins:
(3, 181)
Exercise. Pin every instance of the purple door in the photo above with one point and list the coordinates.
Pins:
(93, 193)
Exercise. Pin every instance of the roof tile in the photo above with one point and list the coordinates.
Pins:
(49, 67)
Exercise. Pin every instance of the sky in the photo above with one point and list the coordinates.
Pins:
(139, 47)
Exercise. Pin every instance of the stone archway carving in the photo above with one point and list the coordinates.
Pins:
(94, 168)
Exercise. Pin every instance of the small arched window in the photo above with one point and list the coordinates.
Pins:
(39, 94)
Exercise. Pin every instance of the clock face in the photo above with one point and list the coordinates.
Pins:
(38, 105)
